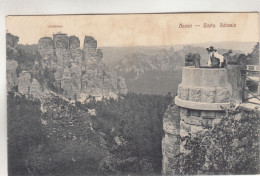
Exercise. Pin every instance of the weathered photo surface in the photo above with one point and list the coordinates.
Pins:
(133, 94)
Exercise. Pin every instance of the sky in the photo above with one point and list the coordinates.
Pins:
(139, 29)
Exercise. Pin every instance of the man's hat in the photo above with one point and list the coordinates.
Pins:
(211, 49)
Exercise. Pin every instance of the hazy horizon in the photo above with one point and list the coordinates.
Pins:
(118, 52)
(138, 29)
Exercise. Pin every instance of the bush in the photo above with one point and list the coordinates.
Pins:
(230, 147)
(67, 158)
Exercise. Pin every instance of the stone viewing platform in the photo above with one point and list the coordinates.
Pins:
(202, 95)
(209, 88)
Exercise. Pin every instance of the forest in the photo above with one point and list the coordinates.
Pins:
(130, 126)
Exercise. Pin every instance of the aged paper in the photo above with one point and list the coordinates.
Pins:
(133, 94)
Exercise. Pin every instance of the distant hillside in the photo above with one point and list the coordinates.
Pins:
(157, 70)
(156, 82)
(115, 54)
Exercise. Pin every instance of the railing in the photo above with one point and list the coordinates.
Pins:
(251, 75)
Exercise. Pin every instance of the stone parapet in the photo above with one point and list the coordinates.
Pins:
(204, 77)
(208, 88)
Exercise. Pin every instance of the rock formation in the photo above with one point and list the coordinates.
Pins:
(46, 50)
(11, 75)
(79, 73)
(11, 63)
(11, 40)
(24, 82)
(76, 73)
(29, 86)
(170, 142)
(35, 89)
(121, 85)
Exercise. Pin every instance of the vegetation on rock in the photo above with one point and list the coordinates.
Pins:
(231, 146)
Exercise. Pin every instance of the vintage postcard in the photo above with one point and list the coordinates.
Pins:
(133, 94)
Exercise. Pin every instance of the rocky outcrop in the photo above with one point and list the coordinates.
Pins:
(24, 81)
(35, 89)
(74, 42)
(45, 46)
(79, 73)
(170, 142)
(60, 41)
(29, 86)
(66, 82)
(11, 63)
(121, 85)
(11, 40)
(11, 75)
(46, 50)
(90, 46)
(76, 73)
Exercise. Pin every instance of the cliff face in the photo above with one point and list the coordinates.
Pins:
(79, 73)
(11, 64)
(76, 73)
(11, 75)
(170, 142)
(29, 86)
(23, 81)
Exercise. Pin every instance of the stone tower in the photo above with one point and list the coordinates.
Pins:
(201, 94)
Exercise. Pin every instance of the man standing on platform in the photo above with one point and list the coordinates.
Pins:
(216, 60)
